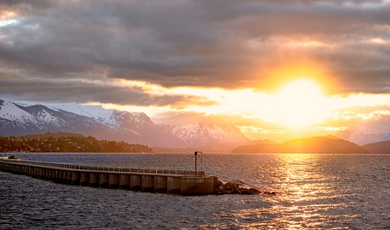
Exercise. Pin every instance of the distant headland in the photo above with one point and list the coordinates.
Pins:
(323, 144)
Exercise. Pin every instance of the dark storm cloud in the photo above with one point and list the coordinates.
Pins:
(194, 43)
(41, 90)
(36, 4)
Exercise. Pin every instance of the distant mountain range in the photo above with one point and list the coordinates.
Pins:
(304, 145)
(17, 119)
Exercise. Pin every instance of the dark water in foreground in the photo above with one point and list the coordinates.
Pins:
(338, 191)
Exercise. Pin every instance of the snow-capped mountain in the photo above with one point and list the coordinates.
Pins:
(18, 120)
(196, 134)
(21, 119)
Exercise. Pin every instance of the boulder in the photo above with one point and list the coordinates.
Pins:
(234, 188)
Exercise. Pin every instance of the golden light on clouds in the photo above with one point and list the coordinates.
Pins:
(378, 41)
(299, 103)
(7, 18)
(295, 105)
(7, 14)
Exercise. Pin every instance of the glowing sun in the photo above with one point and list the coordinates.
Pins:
(299, 103)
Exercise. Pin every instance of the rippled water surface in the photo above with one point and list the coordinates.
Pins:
(339, 191)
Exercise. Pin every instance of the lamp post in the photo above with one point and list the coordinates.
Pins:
(197, 154)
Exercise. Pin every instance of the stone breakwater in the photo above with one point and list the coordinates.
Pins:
(235, 188)
(146, 180)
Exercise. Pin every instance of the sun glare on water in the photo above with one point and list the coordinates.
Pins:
(299, 103)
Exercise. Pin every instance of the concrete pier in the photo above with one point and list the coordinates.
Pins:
(160, 184)
(68, 177)
(174, 185)
(75, 178)
(103, 180)
(136, 182)
(84, 178)
(93, 179)
(124, 181)
(197, 185)
(147, 183)
(113, 180)
(146, 180)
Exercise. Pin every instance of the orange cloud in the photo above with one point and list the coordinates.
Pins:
(7, 14)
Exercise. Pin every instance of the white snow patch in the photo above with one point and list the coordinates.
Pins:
(9, 111)
(93, 111)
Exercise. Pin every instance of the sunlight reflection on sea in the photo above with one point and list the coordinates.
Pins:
(343, 191)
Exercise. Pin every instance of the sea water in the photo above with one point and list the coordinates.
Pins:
(313, 191)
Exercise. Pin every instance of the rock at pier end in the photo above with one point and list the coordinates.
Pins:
(234, 188)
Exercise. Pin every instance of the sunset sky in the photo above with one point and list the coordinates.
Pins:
(263, 66)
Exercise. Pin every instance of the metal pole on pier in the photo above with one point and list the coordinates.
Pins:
(197, 154)
(196, 162)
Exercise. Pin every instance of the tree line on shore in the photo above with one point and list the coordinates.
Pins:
(71, 143)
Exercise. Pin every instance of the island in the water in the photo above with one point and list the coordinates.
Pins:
(380, 147)
(66, 142)
(327, 144)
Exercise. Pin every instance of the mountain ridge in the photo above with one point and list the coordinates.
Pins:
(18, 119)
(378, 147)
(319, 144)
